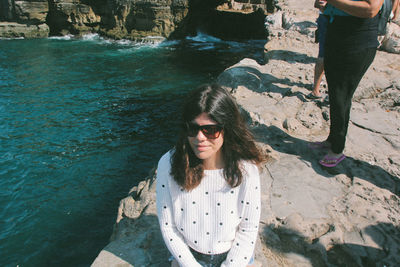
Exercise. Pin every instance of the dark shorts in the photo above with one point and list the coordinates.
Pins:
(205, 260)
(322, 23)
(213, 260)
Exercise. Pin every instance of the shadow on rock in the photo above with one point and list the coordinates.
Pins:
(380, 249)
(255, 80)
(290, 56)
(280, 141)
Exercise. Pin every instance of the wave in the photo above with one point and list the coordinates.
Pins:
(64, 37)
(16, 38)
(203, 41)
(204, 38)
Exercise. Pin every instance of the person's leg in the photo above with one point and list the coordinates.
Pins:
(318, 72)
(343, 72)
(322, 23)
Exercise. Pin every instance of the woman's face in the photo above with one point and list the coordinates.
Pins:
(207, 149)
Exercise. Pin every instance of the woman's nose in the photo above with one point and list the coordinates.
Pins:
(200, 136)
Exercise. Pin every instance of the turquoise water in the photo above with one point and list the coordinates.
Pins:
(82, 121)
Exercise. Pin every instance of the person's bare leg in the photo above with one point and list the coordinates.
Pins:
(318, 72)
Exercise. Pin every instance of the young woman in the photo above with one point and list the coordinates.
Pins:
(350, 48)
(208, 186)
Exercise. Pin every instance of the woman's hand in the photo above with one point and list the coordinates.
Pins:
(320, 4)
(362, 9)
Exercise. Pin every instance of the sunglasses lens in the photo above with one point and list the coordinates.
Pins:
(209, 131)
(192, 129)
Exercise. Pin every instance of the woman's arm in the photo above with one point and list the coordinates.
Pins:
(172, 238)
(396, 8)
(243, 245)
(362, 9)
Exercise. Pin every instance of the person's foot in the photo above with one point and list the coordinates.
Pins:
(332, 159)
(313, 96)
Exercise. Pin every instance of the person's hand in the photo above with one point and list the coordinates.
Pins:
(320, 4)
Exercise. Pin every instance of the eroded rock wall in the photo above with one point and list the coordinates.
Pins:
(135, 19)
(130, 19)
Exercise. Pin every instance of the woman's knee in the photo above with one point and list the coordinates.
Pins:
(174, 263)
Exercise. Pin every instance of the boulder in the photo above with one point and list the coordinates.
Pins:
(391, 41)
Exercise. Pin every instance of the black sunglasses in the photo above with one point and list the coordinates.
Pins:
(211, 131)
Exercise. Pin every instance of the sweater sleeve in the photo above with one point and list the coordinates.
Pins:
(172, 238)
(243, 245)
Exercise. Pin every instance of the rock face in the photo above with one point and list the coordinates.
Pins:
(135, 19)
(311, 216)
(130, 19)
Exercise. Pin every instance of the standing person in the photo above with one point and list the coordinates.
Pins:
(395, 9)
(322, 23)
(208, 185)
(350, 48)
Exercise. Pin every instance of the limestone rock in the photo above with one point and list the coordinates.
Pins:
(391, 41)
(32, 12)
(17, 30)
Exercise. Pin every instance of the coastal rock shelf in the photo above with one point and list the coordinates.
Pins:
(134, 19)
(311, 216)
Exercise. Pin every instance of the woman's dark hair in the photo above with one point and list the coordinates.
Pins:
(239, 143)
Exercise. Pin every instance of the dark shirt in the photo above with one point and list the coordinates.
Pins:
(352, 33)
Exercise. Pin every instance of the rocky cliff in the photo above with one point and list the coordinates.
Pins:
(134, 19)
(311, 216)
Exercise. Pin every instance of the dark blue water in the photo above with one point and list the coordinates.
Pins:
(82, 121)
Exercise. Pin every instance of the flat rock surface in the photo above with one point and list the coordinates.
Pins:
(311, 216)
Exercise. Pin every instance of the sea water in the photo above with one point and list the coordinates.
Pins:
(82, 121)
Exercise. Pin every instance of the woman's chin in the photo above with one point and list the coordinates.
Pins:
(202, 155)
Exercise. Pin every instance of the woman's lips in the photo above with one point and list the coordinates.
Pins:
(201, 147)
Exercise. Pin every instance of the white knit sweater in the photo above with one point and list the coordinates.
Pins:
(212, 218)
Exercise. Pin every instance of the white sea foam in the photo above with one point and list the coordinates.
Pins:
(16, 38)
(65, 37)
(124, 42)
(204, 38)
(91, 36)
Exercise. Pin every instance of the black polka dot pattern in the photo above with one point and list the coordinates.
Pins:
(204, 214)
